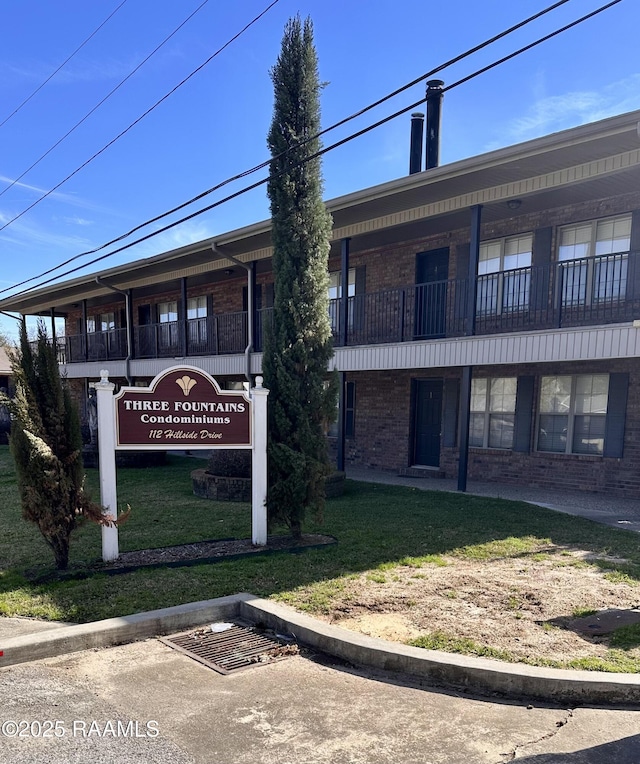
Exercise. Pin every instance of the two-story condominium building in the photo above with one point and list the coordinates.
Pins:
(486, 314)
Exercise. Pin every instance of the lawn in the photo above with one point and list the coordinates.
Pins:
(395, 546)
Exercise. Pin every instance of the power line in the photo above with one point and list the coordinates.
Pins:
(62, 65)
(106, 98)
(142, 116)
(266, 163)
(325, 150)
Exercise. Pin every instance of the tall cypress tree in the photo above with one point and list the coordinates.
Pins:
(299, 347)
(46, 444)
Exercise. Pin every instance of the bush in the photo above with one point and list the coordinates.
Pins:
(5, 425)
(230, 463)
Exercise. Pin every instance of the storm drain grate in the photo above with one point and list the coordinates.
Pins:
(227, 647)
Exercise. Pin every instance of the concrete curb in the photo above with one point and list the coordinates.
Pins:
(117, 631)
(476, 674)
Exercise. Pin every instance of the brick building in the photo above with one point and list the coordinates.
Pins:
(486, 314)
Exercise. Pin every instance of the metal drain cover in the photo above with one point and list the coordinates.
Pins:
(231, 647)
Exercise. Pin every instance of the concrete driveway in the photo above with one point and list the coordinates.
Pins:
(307, 709)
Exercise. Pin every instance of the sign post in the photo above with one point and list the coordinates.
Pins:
(259, 465)
(107, 465)
(183, 408)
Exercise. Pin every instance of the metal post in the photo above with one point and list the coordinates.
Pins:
(107, 464)
(183, 316)
(85, 337)
(344, 293)
(463, 434)
(465, 387)
(342, 420)
(474, 256)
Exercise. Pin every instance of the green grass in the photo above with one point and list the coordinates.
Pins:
(378, 528)
(615, 660)
(626, 637)
(439, 640)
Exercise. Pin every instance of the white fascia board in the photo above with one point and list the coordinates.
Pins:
(548, 346)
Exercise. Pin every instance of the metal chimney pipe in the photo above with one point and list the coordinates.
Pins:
(434, 106)
(415, 152)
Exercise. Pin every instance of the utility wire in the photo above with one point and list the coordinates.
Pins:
(324, 150)
(142, 116)
(62, 65)
(296, 146)
(106, 98)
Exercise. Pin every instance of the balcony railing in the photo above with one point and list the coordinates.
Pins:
(591, 291)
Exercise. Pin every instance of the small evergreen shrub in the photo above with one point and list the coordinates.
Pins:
(230, 463)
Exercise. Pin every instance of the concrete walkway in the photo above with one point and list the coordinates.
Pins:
(600, 507)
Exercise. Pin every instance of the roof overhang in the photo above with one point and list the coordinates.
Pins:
(597, 160)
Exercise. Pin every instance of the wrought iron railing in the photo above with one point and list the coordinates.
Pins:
(590, 291)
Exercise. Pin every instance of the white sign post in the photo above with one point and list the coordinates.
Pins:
(107, 464)
(155, 412)
(259, 464)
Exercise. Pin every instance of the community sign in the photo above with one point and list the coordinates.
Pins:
(183, 408)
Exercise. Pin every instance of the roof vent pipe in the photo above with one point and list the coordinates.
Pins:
(434, 106)
(415, 151)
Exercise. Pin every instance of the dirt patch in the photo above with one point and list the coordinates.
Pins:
(523, 606)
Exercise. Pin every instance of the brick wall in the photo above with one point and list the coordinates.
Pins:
(383, 431)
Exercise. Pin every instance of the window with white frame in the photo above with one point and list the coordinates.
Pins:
(168, 320)
(103, 322)
(493, 412)
(196, 307)
(594, 260)
(504, 274)
(335, 293)
(167, 312)
(572, 413)
(197, 319)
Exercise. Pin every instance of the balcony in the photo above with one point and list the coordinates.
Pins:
(588, 292)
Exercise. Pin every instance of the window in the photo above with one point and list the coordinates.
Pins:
(493, 410)
(103, 322)
(196, 307)
(573, 414)
(167, 312)
(335, 293)
(349, 414)
(102, 338)
(168, 320)
(504, 274)
(197, 319)
(594, 259)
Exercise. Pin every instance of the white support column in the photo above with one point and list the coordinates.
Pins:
(259, 464)
(107, 464)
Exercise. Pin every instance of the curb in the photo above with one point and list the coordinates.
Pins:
(479, 675)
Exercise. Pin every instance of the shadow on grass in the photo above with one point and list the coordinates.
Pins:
(617, 628)
(376, 525)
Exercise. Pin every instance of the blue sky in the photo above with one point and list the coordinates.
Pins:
(216, 124)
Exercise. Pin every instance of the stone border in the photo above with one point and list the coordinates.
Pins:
(81, 575)
(479, 675)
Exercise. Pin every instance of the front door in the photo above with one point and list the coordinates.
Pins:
(427, 421)
(432, 272)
